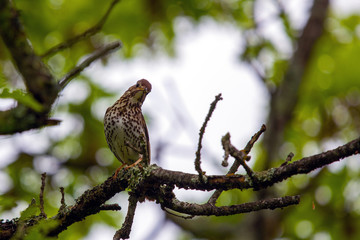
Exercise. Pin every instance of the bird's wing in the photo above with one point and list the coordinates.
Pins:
(147, 141)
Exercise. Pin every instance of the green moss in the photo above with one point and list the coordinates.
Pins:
(138, 175)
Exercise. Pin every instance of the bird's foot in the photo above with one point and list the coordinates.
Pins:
(135, 163)
(118, 170)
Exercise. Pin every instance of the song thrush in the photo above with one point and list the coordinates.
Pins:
(125, 128)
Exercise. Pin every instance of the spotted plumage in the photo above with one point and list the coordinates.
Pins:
(125, 128)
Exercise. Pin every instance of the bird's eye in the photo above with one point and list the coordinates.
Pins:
(137, 85)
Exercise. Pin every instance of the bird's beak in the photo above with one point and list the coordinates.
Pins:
(140, 89)
(144, 89)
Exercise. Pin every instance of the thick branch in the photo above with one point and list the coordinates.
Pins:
(38, 79)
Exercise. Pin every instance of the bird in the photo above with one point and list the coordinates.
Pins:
(125, 128)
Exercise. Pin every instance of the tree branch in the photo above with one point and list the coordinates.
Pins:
(88, 33)
(41, 197)
(201, 135)
(62, 201)
(93, 200)
(240, 157)
(124, 231)
(94, 56)
(209, 209)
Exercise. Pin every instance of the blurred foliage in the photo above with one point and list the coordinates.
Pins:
(21, 97)
(76, 156)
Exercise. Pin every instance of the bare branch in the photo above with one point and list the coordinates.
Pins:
(41, 197)
(209, 209)
(88, 33)
(240, 157)
(124, 231)
(201, 134)
(225, 143)
(288, 159)
(62, 201)
(94, 56)
(254, 138)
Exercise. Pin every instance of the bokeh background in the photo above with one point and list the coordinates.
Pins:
(190, 51)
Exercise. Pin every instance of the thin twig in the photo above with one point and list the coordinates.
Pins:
(96, 55)
(224, 142)
(288, 159)
(62, 201)
(248, 170)
(240, 157)
(88, 33)
(214, 197)
(201, 134)
(124, 231)
(254, 138)
(41, 197)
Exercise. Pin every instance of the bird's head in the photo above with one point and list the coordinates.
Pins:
(139, 91)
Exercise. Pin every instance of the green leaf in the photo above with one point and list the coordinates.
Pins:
(22, 98)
